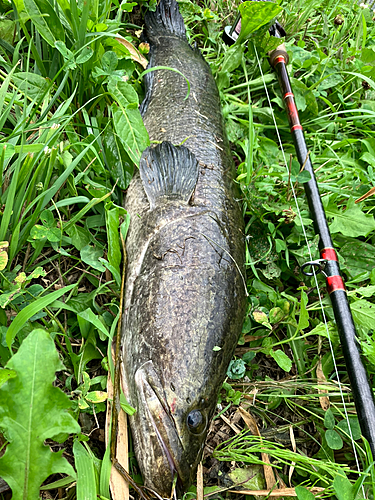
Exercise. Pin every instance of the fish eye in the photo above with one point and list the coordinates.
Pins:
(195, 421)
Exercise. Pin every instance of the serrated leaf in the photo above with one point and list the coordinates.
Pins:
(282, 360)
(334, 441)
(128, 121)
(31, 411)
(351, 221)
(272, 271)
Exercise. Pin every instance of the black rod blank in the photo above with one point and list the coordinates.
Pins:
(362, 393)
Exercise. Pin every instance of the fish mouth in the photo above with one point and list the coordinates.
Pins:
(162, 456)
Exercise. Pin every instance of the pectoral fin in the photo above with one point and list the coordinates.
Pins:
(169, 172)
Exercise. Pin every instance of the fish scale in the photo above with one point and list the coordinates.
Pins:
(185, 295)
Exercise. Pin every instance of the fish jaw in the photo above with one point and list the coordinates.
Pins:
(161, 455)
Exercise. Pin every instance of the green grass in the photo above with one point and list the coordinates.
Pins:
(70, 138)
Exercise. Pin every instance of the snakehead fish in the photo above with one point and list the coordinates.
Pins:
(185, 295)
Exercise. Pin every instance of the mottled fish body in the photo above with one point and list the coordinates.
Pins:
(185, 295)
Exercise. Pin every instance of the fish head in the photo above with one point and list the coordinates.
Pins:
(169, 431)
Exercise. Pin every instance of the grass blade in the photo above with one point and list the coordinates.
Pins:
(29, 311)
(86, 480)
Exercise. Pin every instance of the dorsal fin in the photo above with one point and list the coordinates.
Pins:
(165, 21)
(169, 172)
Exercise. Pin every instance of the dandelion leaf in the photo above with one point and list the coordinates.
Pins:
(359, 256)
(350, 222)
(31, 411)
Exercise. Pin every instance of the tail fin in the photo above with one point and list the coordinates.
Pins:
(166, 20)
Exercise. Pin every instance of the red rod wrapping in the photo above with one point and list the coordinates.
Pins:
(328, 254)
(335, 283)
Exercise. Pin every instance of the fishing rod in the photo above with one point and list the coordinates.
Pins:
(328, 263)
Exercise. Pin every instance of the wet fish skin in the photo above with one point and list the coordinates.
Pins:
(185, 292)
